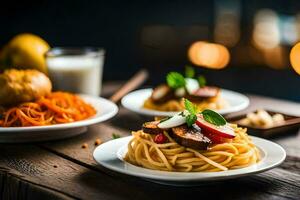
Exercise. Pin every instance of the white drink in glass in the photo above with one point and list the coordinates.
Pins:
(80, 73)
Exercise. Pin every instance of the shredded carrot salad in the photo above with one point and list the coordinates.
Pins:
(56, 108)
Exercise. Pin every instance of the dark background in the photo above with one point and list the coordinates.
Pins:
(152, 34)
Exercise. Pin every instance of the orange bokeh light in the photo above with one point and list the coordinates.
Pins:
(295, 57)
(210, 55)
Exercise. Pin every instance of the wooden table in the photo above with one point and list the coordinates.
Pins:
(65, 170)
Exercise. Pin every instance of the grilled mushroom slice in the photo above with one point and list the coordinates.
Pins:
(190, 137)
(152, 128)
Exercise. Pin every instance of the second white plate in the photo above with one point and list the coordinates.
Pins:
(110, 155)
(134, 101)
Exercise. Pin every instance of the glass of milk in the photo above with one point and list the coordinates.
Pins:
(77, 70)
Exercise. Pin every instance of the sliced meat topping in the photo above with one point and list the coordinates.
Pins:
(204, 93)
(190, 137)
(152, 128)
(162, 93)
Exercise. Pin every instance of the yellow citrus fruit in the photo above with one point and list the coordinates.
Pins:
(25, 51)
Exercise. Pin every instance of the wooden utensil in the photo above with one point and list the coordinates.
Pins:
(137, 80)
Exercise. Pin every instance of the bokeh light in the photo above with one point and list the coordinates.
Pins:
(266, 34)
(210, 55)
(227, 22)
(295, 57)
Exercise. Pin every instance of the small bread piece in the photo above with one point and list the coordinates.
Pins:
(18, 86)
(253, 118)
(265, 118)
(278, 118)
(245, 122)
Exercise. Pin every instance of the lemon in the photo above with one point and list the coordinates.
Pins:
(25, 51)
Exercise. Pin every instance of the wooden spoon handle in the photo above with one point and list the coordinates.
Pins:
(138, 79)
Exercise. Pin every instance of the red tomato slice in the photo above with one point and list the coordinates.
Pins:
(220, 131)
(214, 138)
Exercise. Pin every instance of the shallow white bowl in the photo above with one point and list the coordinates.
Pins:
(134, 101)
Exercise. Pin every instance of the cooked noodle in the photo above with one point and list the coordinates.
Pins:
(56, 108)
(215, 103)
(238, 153)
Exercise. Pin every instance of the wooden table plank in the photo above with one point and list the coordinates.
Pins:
(34, 165)
(70, 180)
(17, 187)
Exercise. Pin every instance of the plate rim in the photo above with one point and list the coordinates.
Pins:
(149, 112)
(86, 122)
(197, 178)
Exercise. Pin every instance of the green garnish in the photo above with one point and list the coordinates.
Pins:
(189, 71)
(175, 80)
(191, 117)
(115, 136)
(190, 120)
(213, 117)
(189, 106)
(201, 80)
(210, 116)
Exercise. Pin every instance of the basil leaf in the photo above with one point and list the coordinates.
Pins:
(213, 117)
(189, 106)
(189, 71)
(175, 80)
(201, 80)
(191, 119)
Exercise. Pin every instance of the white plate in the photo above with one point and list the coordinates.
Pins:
(110, 155)
(134, 101)
(105, 109)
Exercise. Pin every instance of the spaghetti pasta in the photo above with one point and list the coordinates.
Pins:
(215, 103)
(237, 153)
(55, 108)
